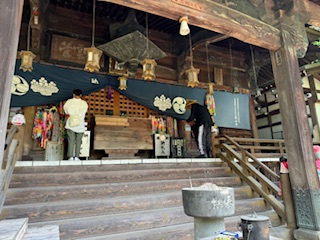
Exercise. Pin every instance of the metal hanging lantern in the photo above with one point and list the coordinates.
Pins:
(93, 59)
(193, 76)
(148, 69)
(26, 60)
(123, 82)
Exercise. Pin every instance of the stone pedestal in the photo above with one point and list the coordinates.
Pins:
(306, 234)
(208, 207)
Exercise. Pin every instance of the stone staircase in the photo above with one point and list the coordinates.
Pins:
(121, 201)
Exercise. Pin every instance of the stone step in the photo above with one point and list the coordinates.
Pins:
(26, 195)
(42, 212)
(116, 167)
(49, 232)
(102, 177)
(13, 229)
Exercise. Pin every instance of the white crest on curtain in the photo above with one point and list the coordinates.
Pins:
(162, 103)
(43, 87)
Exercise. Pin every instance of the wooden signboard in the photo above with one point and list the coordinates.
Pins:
(68, 49)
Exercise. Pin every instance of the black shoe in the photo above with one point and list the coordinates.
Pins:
(201, 156)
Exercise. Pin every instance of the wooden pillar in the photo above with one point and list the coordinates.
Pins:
(28, 113)
(10, 18)
(302, 168)
(253, 119)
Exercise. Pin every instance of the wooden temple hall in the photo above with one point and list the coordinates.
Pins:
(254, 63)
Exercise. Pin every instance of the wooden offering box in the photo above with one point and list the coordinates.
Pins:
(122, 137)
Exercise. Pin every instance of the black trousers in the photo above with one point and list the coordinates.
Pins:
(204, 141)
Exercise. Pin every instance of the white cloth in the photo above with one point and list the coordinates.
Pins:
(76, 106)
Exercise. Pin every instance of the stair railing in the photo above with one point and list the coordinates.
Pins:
(269, 148)
(240, 162)
(8, 163)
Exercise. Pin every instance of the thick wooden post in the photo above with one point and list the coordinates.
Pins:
(303, 173)
(28, 113)
(10, 18)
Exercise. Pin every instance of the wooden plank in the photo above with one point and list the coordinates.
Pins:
(312, 14)
(212, 16)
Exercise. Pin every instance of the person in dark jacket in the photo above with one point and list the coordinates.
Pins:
(201, 121)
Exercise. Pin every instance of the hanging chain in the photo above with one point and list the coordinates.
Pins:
(254, 68)
(191, 54)
(147, 35)
(208, 67)
(93, 21)
(231, 60)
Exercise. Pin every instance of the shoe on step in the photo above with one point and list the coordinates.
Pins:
(77, 159)
(201, 156)
(70, 159)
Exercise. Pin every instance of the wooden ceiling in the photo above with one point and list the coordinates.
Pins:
(114, 13)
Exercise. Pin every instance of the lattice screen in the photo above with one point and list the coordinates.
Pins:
(131, 109)
(99, 104)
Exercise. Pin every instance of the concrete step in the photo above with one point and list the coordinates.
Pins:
(24, 195)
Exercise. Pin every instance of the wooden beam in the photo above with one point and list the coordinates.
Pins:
(312, 13)
(10, 18)
(212, 16)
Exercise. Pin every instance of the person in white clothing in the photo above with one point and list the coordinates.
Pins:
(76, 109)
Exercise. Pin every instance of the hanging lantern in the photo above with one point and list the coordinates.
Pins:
(93, 59)
(193, 76)
(184, 28)
(26, 60)
(123, 82)
(148, 69)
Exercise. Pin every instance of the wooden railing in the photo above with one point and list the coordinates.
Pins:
(256, 174)
(261, 148)
(8, 163)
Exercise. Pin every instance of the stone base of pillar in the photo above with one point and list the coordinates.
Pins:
(306, 234)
